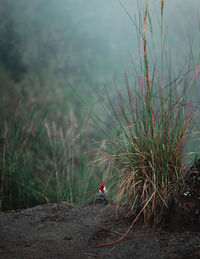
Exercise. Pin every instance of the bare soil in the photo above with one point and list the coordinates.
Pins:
(73, 231)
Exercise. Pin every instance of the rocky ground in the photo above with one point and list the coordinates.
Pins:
(73, 231)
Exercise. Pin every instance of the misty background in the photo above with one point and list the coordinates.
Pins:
(61, 51)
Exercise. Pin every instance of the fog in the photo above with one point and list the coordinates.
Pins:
(69, 48)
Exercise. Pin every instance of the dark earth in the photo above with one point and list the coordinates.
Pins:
(73, 231)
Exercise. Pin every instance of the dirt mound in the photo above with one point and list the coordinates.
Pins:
(73, 231)
(184, 214)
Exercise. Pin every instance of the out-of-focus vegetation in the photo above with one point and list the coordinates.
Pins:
(41, 162)
(55, 57)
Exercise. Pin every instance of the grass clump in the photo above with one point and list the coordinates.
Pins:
(153, 122)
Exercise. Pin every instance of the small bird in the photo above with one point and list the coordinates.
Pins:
(102, 191)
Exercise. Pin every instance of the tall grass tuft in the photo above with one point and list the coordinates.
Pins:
(72, 174)
(153, 122)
